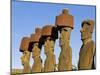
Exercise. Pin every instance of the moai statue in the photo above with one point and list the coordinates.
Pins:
(87, 50)
(64, 23)
(25, 59)
(49, 33)
(36, 50)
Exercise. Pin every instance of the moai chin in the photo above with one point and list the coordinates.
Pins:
(64, 23)
(50, 35)
(25, 59)
(87, 50)
(35, 38)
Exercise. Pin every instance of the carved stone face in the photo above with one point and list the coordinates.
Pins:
(85, 32)
(35, 50)
(48, 45)
(25, 57)
(64, 36)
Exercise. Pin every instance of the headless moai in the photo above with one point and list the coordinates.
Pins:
(87, 50)
(50, 34)
(64, 23)
(25, 59)
(36, 50)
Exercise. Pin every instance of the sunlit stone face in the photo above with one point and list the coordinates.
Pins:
(64, 36)
(35, 50)
(25, 57)
(48, 45)
(85, 32)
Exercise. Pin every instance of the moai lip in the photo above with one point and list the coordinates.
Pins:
(50, 30)
(24, 44)
(64, 19)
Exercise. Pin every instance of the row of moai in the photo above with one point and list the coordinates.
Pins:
(47, 36)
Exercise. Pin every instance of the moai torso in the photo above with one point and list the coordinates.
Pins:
(64, 23)
(35, 39)
(87, 50)
(25, 62)
(86, 55)
(37, 65)
(65, 58)
(25, 58)
(50, 34)
(50, 61)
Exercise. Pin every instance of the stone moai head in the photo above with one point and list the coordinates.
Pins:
(25, 57)
(87, 29)
(50, 34)
(36, 41)
(24, 48)
(65, 35)
(49, 45)
(36, 38)
(64, 23)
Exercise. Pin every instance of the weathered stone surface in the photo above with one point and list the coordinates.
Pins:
(86, 56)
(64, 19)
(35, 37)
(47, 30)
(87, 50)
(89, 23)
(50, 30)
(50, 62)
(25, 59)
(65, 58)
(24, 44)
(38, 30)
(37, 65)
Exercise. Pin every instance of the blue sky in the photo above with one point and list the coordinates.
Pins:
(26, 16)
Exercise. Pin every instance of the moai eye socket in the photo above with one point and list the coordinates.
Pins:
(86, 27)
(65, 30)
